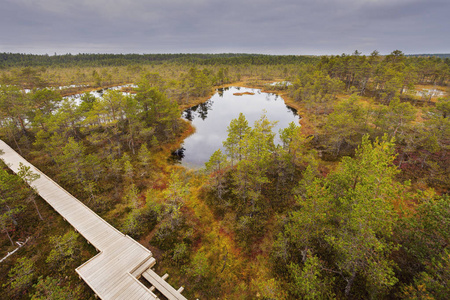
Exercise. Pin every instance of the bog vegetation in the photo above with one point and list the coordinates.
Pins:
(353, 204)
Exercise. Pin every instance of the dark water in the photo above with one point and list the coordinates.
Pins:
(212, 118)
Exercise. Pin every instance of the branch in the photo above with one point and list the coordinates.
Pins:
(11, 253)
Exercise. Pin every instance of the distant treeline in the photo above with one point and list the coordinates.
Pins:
(97, 60)
(447, 55)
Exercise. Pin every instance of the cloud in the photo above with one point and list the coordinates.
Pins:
(257, 26)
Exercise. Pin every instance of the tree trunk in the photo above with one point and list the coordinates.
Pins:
(402, 158)
(37, 209)
(15, 141)
(7, 233)
(350, 283)
(22, 125)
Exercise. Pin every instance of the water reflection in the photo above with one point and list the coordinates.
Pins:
(178, 155)
(293, 110)
(221, 90)
(200, 110)
(188, 114)
(212, 118)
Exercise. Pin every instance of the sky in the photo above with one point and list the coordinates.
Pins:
(300, 27)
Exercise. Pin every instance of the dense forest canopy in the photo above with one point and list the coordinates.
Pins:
(352, 204)
(69, 60)
(441, 55)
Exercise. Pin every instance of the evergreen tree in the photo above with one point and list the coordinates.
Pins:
(351, 213)
(237, 130)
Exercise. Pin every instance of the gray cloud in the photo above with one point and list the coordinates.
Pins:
(256, 26)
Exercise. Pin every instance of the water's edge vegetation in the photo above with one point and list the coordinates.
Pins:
(352, 204)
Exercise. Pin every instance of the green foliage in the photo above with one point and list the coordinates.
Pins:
(424, 234)
(425, 154)
(127, 169)
(132, 225)
(310, 282)
(132, 196)
(254, 152)
(433, 283)
(348, 123)
(216, 167)
(52, 289)
(386, 77)
(443, 107)
(13, 109)
(395, 119)
(172, 229)
(45, 102)
(80, 169)
(196, 83)
(261, 175)
(13, 194)
(200, 266)
(237, 130)
(217, 162)
(180, 253)
(169, 231)
(29, 78)
(270, 289)
(342, 213)
(158, 111)
(177, 191)
(289, 156)
(87, 103)
(17, 59)
(255, 149)
(142, 220)
(316, 89)
(144, 158)
(27, 174)
(65, 250)
(21, 275)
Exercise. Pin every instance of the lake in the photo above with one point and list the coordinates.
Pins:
(212, 118)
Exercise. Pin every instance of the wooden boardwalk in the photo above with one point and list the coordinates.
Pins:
(114, 272)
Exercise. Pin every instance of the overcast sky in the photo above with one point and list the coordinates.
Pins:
(223, 26)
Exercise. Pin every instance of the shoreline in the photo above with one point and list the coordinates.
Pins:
(307, 127)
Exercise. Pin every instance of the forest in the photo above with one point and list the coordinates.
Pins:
(352, 204)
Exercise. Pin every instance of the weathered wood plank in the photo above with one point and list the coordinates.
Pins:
(162, 286)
